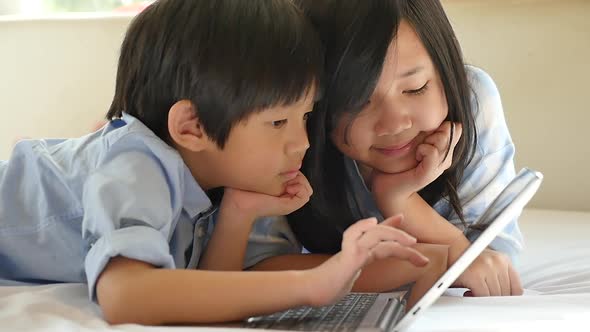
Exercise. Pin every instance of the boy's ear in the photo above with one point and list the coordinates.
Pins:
(185, 127)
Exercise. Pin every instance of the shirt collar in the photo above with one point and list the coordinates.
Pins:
(195, 200)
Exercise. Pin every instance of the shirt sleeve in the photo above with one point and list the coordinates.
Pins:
(128, 211)
(492, 167)
(270, 236)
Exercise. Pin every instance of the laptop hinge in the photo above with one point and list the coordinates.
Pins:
(391, 310)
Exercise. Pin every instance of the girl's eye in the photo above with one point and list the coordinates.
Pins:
(418, 91)
(279, 123)
(306, 116)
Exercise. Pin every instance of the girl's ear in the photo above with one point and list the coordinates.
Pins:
(185, 127)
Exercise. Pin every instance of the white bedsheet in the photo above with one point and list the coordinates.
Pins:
(555, 269)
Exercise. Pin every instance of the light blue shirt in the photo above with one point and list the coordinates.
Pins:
(68, 206)
(492, 167)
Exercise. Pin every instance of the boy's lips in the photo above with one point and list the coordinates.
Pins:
(292, 173)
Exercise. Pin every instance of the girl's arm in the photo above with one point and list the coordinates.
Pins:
(424, 223)
(491, 274)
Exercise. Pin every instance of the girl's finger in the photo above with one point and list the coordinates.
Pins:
(494, 285)
(479, 288)
(515, 284)
(457, 132)
(440, 140)
(504, 279)
(429, 159)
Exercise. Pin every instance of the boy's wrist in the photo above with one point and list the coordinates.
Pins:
(303, 285)
(232, 210)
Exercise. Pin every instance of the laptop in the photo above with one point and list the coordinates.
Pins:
(388, 311)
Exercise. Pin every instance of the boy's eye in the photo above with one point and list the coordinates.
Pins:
(278, 123)
(418, 91)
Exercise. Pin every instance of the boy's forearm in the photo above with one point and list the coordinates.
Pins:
(134, 292)
(379, 276)
(226, 249)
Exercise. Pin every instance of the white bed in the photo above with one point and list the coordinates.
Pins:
(555, 269)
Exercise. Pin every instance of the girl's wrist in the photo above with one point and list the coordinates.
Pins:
(393, 205)
(457, 248)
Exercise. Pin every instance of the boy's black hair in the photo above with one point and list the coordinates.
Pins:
(230, 58)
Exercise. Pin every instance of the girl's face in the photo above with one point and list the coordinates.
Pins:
(407, 105)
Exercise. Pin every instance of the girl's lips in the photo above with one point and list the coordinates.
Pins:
(396, 150)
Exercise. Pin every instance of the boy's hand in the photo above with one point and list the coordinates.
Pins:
(254, 205)
(392, 190)
(362, 243)
(491, 274)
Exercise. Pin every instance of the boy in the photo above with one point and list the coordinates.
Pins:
(209, 95)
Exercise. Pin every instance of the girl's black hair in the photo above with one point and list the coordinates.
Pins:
(356, 35)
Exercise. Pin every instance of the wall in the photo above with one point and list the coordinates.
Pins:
(57, 79)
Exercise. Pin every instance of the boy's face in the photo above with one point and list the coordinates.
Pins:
(264, 151)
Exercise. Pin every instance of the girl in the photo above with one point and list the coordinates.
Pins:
(405, 128)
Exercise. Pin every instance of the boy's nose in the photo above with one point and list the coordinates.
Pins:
(300, 144)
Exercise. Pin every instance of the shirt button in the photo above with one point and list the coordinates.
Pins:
(200, 231)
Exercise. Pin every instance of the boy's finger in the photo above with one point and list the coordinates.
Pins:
(294, 189)
(394, 249)
(394, 221)
(356, 230)
(378, 234)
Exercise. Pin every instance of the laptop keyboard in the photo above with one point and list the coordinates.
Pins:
(345, 315)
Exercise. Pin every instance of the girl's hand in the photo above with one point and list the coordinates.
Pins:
(254, 205)
(491, 274)
(362, 243)
(392, 190)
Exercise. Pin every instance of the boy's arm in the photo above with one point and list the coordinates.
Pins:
(379, 276)
(227, 247)
(131, 291)
(238, 211)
